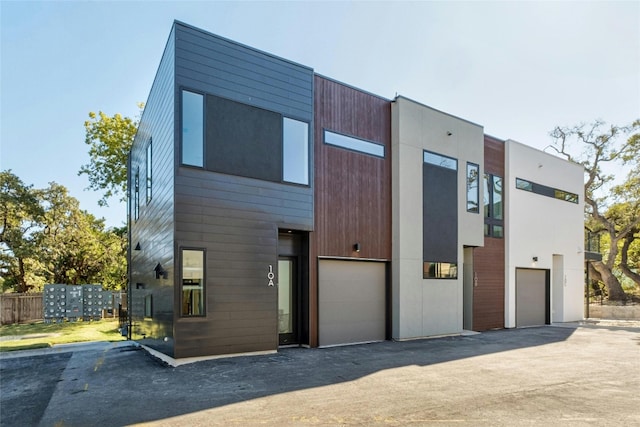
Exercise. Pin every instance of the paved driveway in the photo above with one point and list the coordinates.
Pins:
(569, 376)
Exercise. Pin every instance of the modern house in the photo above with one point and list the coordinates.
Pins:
(272, 206)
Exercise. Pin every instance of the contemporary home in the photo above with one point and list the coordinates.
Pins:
(271, 206)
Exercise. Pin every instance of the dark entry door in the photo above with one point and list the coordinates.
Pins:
(288, 307)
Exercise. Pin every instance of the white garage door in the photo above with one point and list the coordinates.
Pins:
(531, 297)
(351, 302)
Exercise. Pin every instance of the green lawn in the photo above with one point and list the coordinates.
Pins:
(40, 334)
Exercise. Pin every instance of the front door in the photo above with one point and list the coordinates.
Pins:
(287, 301)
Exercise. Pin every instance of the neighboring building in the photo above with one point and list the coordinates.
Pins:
(272, 206)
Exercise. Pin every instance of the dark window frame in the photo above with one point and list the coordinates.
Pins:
(149, 170)
(136, 195)
(203, 286)
(494, 225)
(204, 127)
(544, 190)
(282, 141)
(356, 140)
(471, 166)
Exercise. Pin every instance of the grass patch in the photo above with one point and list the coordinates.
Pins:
(41, 335)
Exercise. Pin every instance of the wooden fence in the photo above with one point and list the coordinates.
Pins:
(20, 308)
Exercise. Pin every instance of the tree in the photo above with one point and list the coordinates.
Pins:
(613, 210)
(109, 139)
(20, 216)
(47, 238)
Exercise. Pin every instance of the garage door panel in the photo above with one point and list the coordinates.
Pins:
(531, 297)
(351, 301)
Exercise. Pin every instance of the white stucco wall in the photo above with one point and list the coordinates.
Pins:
(427, 307)
(544, 227)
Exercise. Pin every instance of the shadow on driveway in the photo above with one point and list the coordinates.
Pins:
(121, 384)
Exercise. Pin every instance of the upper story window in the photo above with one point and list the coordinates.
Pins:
(543, 190)
(355, 144)
(473, 188)
(192, 129)
(136, 195)
(440, 160)
(493, 206)
(149, 170)
(295, 151)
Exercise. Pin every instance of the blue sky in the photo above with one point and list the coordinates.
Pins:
(517, 68)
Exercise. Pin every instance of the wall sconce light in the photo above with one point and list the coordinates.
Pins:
(161, 272)
(449, 133)
(356, 247)
(535, 259)
(137, 248)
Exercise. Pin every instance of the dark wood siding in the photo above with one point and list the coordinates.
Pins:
(489, 261)
(236, 219)
(352, 190)
(154, 227)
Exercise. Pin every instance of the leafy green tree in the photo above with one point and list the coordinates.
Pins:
(610, 210)
(20, 216)
(47, 238)
(109, 139)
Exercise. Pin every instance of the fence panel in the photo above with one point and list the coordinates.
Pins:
(20, 308)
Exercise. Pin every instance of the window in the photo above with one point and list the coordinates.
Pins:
(295, 151)
(148, 305)
(149, 170)
(192, 276)
(473, 188)
(136, 195)
(493, 206)
(192, 129)
(522, 184)
(440, 160)
(355, 144)
(440, 270)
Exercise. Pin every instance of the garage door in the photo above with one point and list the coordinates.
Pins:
(532, 297)
(351, 302)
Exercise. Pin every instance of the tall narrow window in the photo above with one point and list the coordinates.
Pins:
(295, 151)
(149, 170)
(473, 192)
(493, 206)
(192, 129)
(192, 274)
(136, 195)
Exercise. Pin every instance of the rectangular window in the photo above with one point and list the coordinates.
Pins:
(136, 196)
(496, 203)
(355, 144)
(473, 192)
(543, 190)
(149, 170)
(440, 160)
(493, 206)
(148, 306)
(192, 275)
(295, 151)
(440, 270)
(192, 129)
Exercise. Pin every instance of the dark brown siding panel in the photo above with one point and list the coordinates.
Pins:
(154, 227)
(352, 189)
(488, 295)
(488, 261)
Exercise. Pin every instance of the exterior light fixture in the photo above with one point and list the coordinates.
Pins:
(138, 248)
(356, 247)
(535, 259)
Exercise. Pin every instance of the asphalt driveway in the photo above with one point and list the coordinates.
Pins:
(566, 375)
